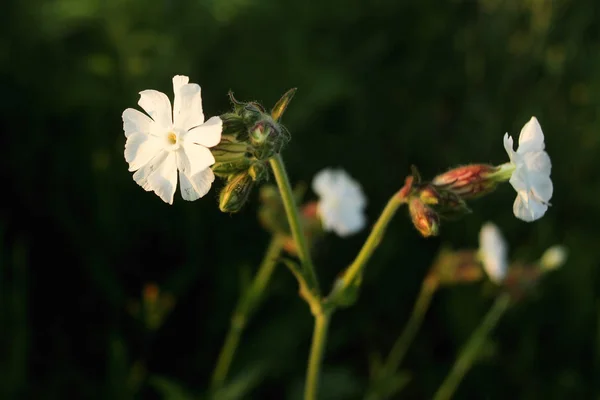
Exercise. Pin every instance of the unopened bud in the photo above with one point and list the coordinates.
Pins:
(470, 181)
(258, 171)
(553, 258)
(446, 203)
(236, 192)
(424, 218)
(229, 149)
(453, 267)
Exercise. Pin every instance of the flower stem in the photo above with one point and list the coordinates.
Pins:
(291, 210)
(355, 269)
(244, 309)
(430, 285)
(316, 355)
(469, 353)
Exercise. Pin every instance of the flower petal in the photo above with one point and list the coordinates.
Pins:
(537, 162)
(323, 182)
(163, 181)
(158, 107)
(142, 174)
(135, 121)
(203, 181)
(207, 134)
(199, 157)
(493, 252)
(508, 146)
(528, 209)
(531, 137)
(140, 148)
(542, 187)
(196, 186)
(187, 109)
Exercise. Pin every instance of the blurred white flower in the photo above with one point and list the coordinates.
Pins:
(171, 140)
(493, 252)
(342, 202)
(531, 177)
(553, 258)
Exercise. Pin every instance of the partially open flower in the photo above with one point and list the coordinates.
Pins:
(168, 140)
(493, 252)
(531, 177)
(342, 202)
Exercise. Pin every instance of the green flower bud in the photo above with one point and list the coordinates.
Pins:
(227, 169)
(258, 171)
(235, 194)
(229, 149)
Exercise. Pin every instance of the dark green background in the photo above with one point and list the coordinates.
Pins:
(382, 84)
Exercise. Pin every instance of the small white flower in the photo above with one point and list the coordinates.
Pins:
(342, 202)
(171, 140)
(493, 252)
(531, 177)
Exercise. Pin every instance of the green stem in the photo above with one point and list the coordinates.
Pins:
(291, 210)
(401, 346)
(355, 269)
(244, 309)
(469, 353)
(316, 355)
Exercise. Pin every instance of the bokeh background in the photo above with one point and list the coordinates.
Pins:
(382, 84)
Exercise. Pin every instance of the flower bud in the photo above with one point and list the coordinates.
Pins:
(424, 218)
(446, 204)
(553, 258)
(469, 181)
(452, 267)
(235, 194)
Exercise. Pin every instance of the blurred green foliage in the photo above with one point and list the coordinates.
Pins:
(382, 84)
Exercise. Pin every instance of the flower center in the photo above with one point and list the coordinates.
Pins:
(172, 138)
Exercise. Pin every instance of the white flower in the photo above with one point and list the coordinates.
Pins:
(531, 177)
(493, 252)
(171, 140)
(342, 202)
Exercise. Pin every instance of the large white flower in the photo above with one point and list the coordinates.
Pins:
(171, 140)
(493, 252)
(531, 177)
(342, 202)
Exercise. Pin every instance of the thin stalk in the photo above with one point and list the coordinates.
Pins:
(401, 345)
(355, 269)
(291, 210)
(316, 355)
(469, 353)
(244, 309)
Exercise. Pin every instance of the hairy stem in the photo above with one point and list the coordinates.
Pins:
(293, 217)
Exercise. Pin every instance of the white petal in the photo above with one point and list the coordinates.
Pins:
(135, 121)
(158, 107)
(493, 252)
(537, 162)
(193, 186)
(207, 134)
(203, 181)
(531, 137)
(142, 174)
(199, 157)
(140, 148)
(323, 182)
(542, 188)
(163, 181)
(508, 146)
(187, 112)
(528, 209)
